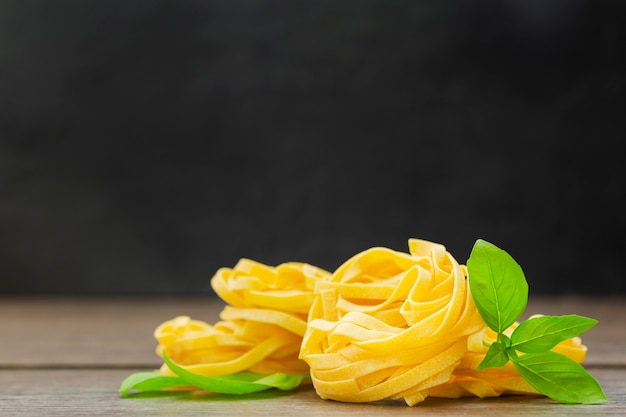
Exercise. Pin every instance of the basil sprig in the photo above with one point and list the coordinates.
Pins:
(239, 383)
(500, 292)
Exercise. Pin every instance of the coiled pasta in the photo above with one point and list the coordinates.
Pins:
(260, 330)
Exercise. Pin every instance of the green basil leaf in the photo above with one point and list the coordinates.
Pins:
(496, 357)
(239, 383)
(149, 381)
(542, 333)
(559, 378)
(498, 285)
(284, 382)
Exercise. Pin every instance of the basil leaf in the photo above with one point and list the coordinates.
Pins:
(496, 357)
(149, 381)
(540, 334)
(559, 378)
(498, 285)
(284, 382)
(239, 383)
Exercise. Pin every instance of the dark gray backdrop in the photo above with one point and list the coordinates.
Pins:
(144, 144)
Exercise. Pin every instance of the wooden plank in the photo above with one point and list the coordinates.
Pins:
(86, 332)
(44, 332)
(66, 393)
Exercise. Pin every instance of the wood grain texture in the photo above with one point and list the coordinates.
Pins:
(67, 357)
(118, 332)
(66, 393)
(81, 332)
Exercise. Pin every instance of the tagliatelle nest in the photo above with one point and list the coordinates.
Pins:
(261, 329)
(389, 324)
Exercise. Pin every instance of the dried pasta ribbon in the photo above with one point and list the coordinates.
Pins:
(260, 330)
(250, 284)
(389, 324)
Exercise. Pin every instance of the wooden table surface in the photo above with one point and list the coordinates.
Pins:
(67, 356)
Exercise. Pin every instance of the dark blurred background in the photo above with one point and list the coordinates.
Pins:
(145, 144)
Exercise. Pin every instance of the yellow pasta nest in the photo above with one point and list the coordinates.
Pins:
(260, 330)
(389, 324)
